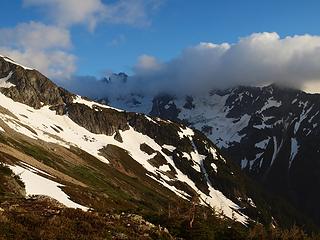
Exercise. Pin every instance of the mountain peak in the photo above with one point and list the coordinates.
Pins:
(116, 77)
(30, 87)
(9, 60)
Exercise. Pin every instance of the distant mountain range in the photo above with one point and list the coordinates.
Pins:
(271, 132)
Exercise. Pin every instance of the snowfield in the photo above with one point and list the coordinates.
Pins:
(4, 81)
(38, 185)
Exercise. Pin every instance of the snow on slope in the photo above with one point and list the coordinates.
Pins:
(137, 103)
(91, 104)
(15, 63)
(4, 83)
(45, 125)
(269, 104)
(38, 185)
(294, 150)
(210, 110)
(210, 113)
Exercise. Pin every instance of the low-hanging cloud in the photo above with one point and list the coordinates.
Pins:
(259, 59)
(255, 60)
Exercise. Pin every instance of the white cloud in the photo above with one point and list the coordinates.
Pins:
(147, 64)
(39, 46)
(69, 12)
(90, 12)
(47, 47)
(35, 35)
(259, 59)
(131, 12)
(256, 60)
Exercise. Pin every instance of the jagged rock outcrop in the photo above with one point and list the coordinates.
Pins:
(98, 120)
(31, 87)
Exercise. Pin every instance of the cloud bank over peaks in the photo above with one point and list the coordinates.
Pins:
(258, 59)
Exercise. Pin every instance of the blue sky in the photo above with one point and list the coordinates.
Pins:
(175, 25)
(95, 41)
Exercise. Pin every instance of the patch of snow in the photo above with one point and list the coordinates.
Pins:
(186, 155)
(244, 163)
(169, 147)
(275, 150)
(252, 162)
(215, 168)
(310, 119)
(196, 157)
(214, 153)
(303, 116)
(4, 81)
(188, 132)
(128, 102)
(164, 168)
(270, 103)
(38, 185)
(262, 144)
(250, 201)
(151, 120)
(91, 104)
(15, 125)
(196, 167)
(294, 150)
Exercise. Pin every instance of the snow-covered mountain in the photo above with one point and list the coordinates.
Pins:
(271, 132)
(93, 156)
